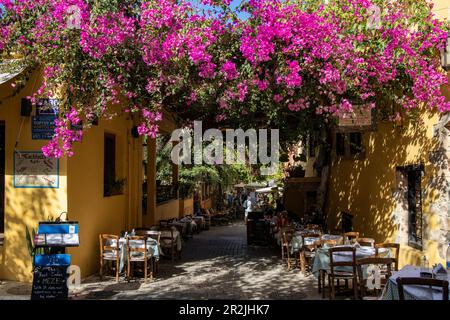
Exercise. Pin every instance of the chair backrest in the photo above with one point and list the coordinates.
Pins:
(422, 282)
(395, 246)
(313, 227)
(287, 236)
(352, 234)
(382, 263)
(164, 223)
(105, 240)
(156, 235)
(134, 245)
(288, 229)
(141, 231)
(366, 242)
(166, 235)
(348, 262)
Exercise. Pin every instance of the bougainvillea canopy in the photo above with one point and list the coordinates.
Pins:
(260, 63)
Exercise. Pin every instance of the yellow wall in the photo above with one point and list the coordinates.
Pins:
(366, 188)
(80, 192)
(24, 207)
(167, 210)
(164, 211)
(186, 207)
(207, 204)
(98, 214)
(442, 9)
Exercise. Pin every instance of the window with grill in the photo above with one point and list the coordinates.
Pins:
(109, 164)
(414, 208)
(413, 178)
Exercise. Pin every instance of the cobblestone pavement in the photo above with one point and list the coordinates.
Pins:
(215, 264)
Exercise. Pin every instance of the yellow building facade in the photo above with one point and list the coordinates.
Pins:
(377, 188)
(80, 191)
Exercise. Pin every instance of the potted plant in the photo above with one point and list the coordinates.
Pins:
(114, 187)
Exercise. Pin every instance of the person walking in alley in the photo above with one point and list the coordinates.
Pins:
(248, 207)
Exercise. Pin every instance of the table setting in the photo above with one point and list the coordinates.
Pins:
(152, 248)
(176, 237)
(415, 292)
(322, 257)
(298, 240)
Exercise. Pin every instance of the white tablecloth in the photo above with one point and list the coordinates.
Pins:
(152, 248)
(411, 292)
(176, 236)
(322, 258)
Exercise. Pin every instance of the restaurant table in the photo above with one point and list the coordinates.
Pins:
(152, 248)
(176, 237)
(322, 258)
(297, 241)
(412, 292)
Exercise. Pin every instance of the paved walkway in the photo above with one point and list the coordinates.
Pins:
(215, 264)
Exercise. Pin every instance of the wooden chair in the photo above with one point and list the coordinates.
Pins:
(308, 251)
(168, 242)
(390, 246)
(366, 242)
(351, 236)
(156, 235)
(323, 273)
(336, 275)
(286, 237)
(284, 229)
(138, 254)
(422, 282)
(109, 252)
(382, 264)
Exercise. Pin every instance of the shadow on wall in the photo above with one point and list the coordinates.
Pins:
(368, 188)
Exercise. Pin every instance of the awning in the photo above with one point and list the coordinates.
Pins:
(9, 69)
(255, 185)
(240, 185)
(268, 190)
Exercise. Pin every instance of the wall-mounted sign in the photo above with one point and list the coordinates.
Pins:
(33, 170)
(42, 128)
(47, 107)
(361, 119)
(43, 124)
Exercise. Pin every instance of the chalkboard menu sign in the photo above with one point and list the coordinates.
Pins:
(50, 277)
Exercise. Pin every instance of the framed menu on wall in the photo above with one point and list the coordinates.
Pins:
(33, 170)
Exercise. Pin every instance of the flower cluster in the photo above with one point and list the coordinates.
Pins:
(284, 57)
(64, 137)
